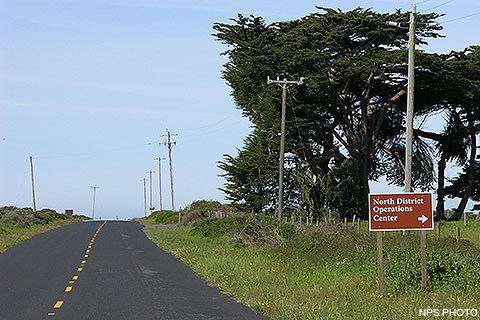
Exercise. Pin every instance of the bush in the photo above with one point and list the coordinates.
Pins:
(205, 209)
(246, 229)
(165, 217)
(46, 216)
(16, 216)
(26, 216)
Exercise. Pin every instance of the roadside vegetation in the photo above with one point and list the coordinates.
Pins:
(20, 224)
(326, 271)
(160, 217)
(345, 124)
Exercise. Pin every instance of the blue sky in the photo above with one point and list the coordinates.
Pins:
(87, 87)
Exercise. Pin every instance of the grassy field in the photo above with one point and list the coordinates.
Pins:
(330, 272)
(20, 224)
(11, 235)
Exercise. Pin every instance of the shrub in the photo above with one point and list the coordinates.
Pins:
(165, 217)
(205, 209)
(19, 217)
(45, 216)
(26, 216)
(246, 229)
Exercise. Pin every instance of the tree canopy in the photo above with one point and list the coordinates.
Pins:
(346, 126)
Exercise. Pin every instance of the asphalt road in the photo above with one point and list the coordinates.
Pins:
(105, 270)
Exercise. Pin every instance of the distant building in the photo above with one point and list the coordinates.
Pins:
(69, 212)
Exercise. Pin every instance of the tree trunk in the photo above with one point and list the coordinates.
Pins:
(440, 214)
(364, 169)
(470, 180)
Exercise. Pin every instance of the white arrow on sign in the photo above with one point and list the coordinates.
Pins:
(422, 218)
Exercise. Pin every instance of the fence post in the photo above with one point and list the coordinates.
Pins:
(457, 233)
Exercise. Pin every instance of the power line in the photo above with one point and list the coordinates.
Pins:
(292, 96)
(209, 128)
(423, 1)
(462, 18)
(91, 154)
(438, 6)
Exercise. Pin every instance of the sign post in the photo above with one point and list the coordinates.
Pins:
(401, 211)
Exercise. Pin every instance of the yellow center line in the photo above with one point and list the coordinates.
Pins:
(59, 303)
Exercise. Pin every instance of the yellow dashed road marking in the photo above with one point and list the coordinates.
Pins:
(59, 303)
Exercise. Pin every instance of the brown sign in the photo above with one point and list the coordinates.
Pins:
(400, 211)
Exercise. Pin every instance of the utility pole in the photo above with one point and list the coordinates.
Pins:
(160, 181)
(94, 194)
(284, 84)
(33, 185)
(409, 129)
(151, 205)
(169, 144)
(410, 96)
(144, 196)
(410, 100)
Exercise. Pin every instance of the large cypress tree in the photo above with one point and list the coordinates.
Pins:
(352, 108)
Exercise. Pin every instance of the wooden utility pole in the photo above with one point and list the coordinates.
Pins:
(410, 101)
(33, 185)
(151, 181)
(284, 84)
(160, 182)
(144, 196)
(169, 144)
(94, 194)
(409, 130)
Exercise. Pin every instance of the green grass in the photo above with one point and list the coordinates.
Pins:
(159, 217)
(470, 232)
(332, 275)
(10, 235)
